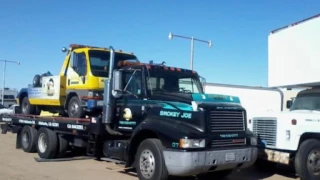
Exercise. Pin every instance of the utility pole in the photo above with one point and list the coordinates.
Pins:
(4, 76)
(192, 39)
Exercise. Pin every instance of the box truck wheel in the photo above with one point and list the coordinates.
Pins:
(149, 161)
(28, 139)
(47, 143)
(307, 160)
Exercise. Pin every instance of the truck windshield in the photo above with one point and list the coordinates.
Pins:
(173, 82)
(99, 61)
(307, 102)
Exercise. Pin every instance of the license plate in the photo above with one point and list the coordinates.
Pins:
(230, 157)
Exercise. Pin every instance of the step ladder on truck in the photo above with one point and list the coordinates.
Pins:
(151, 123)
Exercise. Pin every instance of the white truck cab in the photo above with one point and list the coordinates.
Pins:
(293, 137)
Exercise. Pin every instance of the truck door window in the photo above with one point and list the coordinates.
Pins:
(134, 86)
(79, 63)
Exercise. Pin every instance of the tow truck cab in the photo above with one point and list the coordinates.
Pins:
(198, 132)
(78, 89)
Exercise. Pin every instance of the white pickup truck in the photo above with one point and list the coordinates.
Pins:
(293, 137)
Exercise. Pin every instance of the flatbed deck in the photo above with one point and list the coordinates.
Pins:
(56, 122)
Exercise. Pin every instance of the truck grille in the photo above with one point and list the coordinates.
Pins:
(228, 142)
(227, 121)
(266, 130)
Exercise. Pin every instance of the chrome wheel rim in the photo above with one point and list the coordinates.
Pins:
(42, 143)
(25, 139)
(74, 108)
(147, 164)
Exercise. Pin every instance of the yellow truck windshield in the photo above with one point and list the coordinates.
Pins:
(99, 61)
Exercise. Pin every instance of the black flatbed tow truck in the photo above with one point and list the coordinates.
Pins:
(156, 120)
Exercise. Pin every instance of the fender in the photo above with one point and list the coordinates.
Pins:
(21, 94)
(168, 130)
(174, 130)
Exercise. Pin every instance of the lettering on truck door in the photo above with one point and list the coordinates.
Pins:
(129, 105)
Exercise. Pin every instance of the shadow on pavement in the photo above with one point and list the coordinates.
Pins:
(246, 174)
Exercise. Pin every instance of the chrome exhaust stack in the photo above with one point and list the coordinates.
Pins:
(109, 101)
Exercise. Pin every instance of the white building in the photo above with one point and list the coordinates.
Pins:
(9, 96)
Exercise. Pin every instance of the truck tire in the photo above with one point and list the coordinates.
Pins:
(47, 145)
(306, 160)
(27, 108)
(36, 81)
(150, 161)
(74, 108)
(28, 139)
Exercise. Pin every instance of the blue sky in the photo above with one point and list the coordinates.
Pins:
(33, 32)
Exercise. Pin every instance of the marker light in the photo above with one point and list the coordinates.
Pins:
(288, 134)
(294, 122)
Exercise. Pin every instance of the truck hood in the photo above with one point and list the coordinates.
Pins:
(299, 115)
(184, 101)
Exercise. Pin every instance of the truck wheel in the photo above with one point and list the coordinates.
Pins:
(149, 161)
(307, 160)
(28, 139)
(74, 108)
(47, 146)
(27, 108)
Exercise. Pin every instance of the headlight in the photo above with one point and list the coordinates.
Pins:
(288, 134)
(253, 141)
(192, 143)
(94, 94)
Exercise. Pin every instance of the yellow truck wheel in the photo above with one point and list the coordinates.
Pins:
(74, 108)
(28, 108)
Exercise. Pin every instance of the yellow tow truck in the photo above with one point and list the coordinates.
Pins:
(78, 90)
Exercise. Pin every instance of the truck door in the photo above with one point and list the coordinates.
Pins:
(77, 70)
(129, 106)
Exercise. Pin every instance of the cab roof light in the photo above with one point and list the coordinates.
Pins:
(74, 46)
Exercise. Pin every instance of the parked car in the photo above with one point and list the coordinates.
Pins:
(9, 110)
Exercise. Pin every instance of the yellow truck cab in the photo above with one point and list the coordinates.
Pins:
(78, 89)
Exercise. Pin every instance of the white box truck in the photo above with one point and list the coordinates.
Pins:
(293, 138)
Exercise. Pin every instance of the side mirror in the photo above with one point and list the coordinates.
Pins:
(289, 104)
(117, 85)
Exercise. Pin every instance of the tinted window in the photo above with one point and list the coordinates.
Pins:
(99, 61)
(172, 81)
